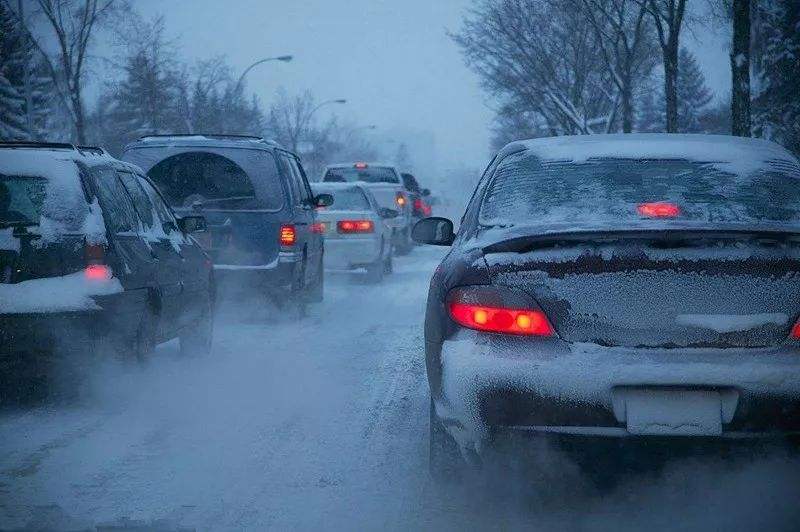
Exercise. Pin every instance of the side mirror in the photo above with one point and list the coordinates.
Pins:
(425, 192)
(192, 224)
(323, 200)
(385, 213)
(434, 230)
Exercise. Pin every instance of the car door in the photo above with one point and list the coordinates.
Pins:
(305, 211)
(168, 242)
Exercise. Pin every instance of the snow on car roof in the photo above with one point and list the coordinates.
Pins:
(208, 139)
(732, 154)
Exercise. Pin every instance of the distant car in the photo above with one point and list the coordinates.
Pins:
(259, 207)
(420, 206)
(356, 231)
(92, 258)
(386, 185)
(618, 285)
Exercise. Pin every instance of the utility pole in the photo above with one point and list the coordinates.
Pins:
(26, 76)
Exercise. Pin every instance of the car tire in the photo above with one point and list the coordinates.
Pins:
(197, 339)
(375, 270)
(145, 342)
(296, 303)
(316, 293)
(388, 260)
(403, 245)
(445, 462)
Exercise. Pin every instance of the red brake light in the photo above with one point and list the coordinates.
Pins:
(360, 166)
(796, 331)
(501, 320)
(422, 207)
(355, 226)
(658, 209)
(318, 228)
(288, 236)
(97, 272)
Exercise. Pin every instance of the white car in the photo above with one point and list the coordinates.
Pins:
(355, 228)
(385, 182)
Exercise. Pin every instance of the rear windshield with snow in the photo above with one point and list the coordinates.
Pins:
(370, 174)
(217, 177)
(39, 189)
(348, 199)
(528, 190)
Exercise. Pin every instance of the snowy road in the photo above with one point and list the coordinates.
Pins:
(320, 424)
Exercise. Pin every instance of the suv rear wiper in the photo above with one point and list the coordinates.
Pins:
(202, 202)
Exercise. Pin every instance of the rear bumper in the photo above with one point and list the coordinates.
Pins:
(48, 333)
(535, 385)
(276, 275)
(347, 253)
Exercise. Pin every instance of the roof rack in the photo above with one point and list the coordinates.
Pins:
(207, 135)
(32, 144)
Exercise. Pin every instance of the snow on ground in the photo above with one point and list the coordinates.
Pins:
(322, 423)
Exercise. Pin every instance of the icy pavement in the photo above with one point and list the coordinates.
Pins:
(322, 423)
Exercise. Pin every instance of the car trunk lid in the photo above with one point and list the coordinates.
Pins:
(659, 289)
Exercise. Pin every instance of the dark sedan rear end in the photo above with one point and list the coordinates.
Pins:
(637, 285)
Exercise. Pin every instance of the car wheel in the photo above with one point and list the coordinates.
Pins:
(403, 245)
(375, 270)
(388, 261)
(445, 461)
(145, 341)
(196, 340)
(295, 305)
(317, 292)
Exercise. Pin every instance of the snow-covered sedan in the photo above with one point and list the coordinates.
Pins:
(356, 231)
(631, 285)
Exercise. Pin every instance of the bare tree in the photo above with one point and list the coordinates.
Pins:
(536, 56)
(740, 70)
(72, 25)
(668, 17)
(626, 46)
(290, 118)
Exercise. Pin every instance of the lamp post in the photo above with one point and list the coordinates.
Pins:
(283, 58)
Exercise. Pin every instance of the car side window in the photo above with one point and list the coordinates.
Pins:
(162, 211)
(302, 180)
(291, 176)
(118, 209)
(141, 201)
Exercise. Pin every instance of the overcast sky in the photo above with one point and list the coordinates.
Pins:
(392, 60)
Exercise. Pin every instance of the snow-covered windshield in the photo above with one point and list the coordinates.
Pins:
(528, 190)
(368, 174)
(21, 198)
(347, 199)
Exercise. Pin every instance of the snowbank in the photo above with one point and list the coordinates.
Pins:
(55, 294)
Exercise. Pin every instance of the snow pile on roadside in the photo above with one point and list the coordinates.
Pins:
(55, 294)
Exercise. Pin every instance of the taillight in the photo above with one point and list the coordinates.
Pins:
(288, 236)
(318, 228)
(421, 207)
(96, 269)
(355, 226)
(400, 199)
(658, 209)
(796, 331)
(497, 310)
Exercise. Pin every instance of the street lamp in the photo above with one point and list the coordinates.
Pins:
(282, 58)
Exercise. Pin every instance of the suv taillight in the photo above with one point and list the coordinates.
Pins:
(498, 310)
(288, 236)
(96, 268)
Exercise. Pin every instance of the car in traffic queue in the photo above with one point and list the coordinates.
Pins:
(386, 184)
(92, 263)
(421, 208)
(356, 229)
(621, 286)
(258, 204)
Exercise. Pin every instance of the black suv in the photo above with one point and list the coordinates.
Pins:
(92, 261)
(259, 206)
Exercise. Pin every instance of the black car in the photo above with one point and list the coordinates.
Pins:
(421, 208)
(258, 204)
(92, 260)
(618, 285)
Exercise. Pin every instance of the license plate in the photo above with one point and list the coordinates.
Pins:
(673, 412)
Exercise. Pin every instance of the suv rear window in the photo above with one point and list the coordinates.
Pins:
(369, 174)
(526, 189)
(21, 199)
(222, 178)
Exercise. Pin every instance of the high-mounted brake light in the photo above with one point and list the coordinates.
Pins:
(318, 228)
(658, 209)
(501, 320)
(96, 269)
(288, 236)
(360, 166)
(355, 226)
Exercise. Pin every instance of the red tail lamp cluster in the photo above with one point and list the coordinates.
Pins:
(497, 310)
(355, 226)
(96, 269)
(288, 235)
